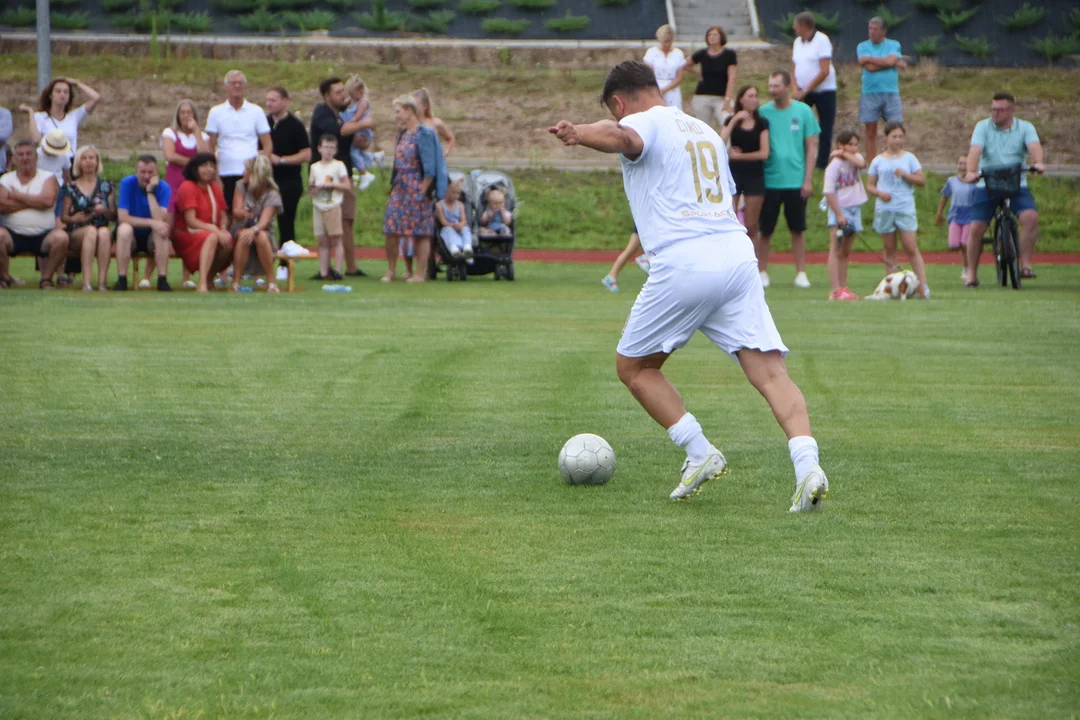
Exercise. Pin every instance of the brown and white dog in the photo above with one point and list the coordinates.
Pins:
(896, 286)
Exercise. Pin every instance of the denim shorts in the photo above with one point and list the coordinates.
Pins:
(852, 214)
(982, 207)
(875, 106)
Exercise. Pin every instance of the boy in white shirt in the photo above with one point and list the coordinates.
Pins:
(704, 275)
(328, 180)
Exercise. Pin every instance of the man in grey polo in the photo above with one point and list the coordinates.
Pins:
(880, 60)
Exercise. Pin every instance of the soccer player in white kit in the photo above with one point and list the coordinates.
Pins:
(704, 275)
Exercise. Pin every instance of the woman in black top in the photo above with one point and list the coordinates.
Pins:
(748, 134)
(718, 72)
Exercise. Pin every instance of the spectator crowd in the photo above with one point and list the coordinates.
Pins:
(232, 184)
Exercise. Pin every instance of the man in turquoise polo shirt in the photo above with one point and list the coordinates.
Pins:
(793, 133)
(880, 60)
(1003, 140)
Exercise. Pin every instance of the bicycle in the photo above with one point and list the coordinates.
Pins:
(1002, 183)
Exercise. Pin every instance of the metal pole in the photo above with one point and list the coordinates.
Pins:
(44, 49)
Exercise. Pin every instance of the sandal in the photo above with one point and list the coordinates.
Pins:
(46, 285)
(1027, 273)
(272, 288)
(388, 277)
(5, 283)
(973, 283)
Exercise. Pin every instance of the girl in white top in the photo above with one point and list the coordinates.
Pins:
(668, 62)
(54, 110)
(181, 141)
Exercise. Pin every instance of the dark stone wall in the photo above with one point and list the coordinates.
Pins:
(1011, 48)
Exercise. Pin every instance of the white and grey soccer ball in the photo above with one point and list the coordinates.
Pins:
(586, 459)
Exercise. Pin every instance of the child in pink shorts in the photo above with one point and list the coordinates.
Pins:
(961, 194)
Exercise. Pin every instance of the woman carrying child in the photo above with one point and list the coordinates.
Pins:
(892, 178)
(844, 195)
(961, 195)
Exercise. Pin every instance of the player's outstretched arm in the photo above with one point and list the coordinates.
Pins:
(606, 136)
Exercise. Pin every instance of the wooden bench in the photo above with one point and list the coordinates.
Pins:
(290, 263)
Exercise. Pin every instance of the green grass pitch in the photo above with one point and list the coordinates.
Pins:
(347, 506)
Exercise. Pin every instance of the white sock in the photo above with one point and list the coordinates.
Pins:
(804, 455)
(687, 434)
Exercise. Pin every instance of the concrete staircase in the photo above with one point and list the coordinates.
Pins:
(692, 17)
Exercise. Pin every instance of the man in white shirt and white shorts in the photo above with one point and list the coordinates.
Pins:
(704, 275)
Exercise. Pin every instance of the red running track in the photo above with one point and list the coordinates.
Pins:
(607, 257)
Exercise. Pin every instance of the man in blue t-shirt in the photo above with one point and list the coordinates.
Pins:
(880, 60)
(143, 221)
(1003, 140)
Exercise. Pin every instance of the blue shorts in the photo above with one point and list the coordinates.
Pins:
(877, 106)
(982, 207)
(852, 214)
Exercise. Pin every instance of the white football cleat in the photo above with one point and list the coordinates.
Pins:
(801, 281)
(811, 492)
(694, 475)
(764, 279)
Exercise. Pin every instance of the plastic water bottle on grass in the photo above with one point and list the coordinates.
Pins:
(337, 288)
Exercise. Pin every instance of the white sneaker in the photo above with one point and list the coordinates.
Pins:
(811, 492)
(694, 475)
(189, 285)
(261, 282)
(468, 251)
(282, 274)
(144, 284)
(380, 158)
(801, 281)
(764, 279)
(455, 251)
(365, 180)
(964, 275)
(643, 263)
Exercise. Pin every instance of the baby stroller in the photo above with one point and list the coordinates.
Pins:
(492, 254)
(440, 259)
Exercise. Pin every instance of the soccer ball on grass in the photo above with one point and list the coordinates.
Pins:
(586, 459)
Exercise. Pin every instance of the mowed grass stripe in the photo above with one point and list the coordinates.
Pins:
(332, 506)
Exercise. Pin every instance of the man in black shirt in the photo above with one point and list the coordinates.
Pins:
(289, 140)
(326, 120)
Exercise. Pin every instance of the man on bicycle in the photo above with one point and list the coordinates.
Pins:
(999, 140)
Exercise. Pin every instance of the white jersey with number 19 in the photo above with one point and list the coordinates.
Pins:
(680, 187)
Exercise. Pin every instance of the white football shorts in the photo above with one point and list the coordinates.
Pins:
(726, 302)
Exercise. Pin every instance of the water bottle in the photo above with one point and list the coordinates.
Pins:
(337, 288)
(245, 289)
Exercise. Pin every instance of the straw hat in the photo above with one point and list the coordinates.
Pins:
(55, 143)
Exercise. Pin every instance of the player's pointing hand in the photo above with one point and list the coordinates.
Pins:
(566, 132)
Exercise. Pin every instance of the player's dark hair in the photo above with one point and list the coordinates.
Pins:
(894, 125)
(191, 170)
(24, 142)
(627, 78)
(783, 75)
(738, 100)
(1005, 96)
(325, 85)
(328, 138)
(845, 136)
(806, 18)
(147, 158)
(282, 92)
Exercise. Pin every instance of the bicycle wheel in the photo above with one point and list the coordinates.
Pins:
(1001, 241)
(1012, 252)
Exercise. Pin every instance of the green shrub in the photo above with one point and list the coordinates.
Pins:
(891, 19)
(936, 6)
(532, 4)
(70, 21)
(261, 20)
(504, 26)
(169, 4)
(234, 7)
(1025, 16)
(978, 47)
(189, 22)
(310, 20)
(568, 23)
(19, 17)
(119, 6)
(436, 22)
(1053, 48)
(380, 19)
(1073, 18)
(928, 46)
(477, 7)
(426, 4)
(953, 20)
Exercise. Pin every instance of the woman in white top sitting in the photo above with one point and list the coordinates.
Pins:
(54, 110)
(815, 78)
(667, 62)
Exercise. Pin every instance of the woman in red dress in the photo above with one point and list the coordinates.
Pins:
(199, 232)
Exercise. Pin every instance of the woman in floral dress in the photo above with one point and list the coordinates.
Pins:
(410, 210)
